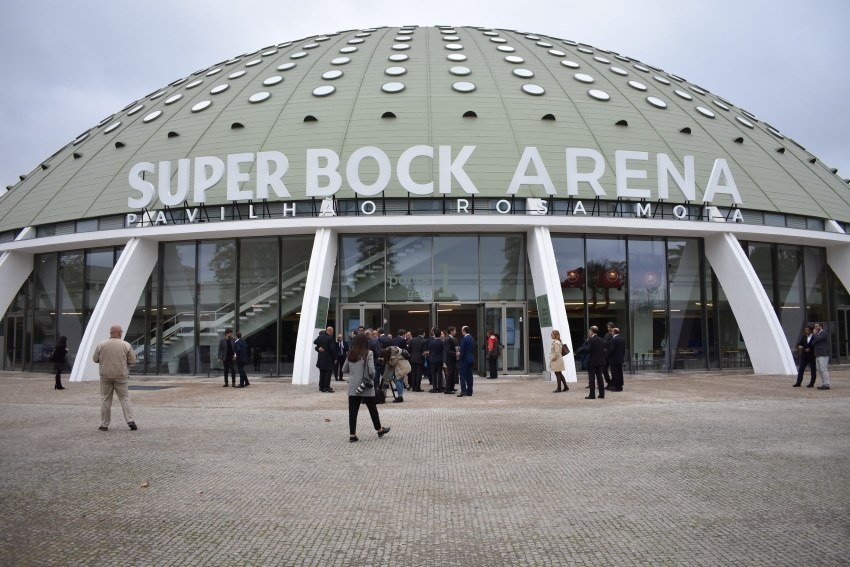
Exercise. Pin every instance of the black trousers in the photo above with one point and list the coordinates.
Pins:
(324, 379)
(437, 378)
(243, 376)
(807, 361)
(606, 375)
(595, 372)
(229, 365)
(617, 376)
(416, 376)
(354, 408)
(451, 376)
(493, 366)
(340, 362)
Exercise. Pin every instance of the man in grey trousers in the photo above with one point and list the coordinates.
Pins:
(820, 346)
(114, 357)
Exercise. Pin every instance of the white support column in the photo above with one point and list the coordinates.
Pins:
(117, 302)
(550, 297)
(15, 268)
(763, 336)
(317, 295)
(838, 258)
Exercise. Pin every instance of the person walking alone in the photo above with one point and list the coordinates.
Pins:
(114, 357)
(556, 361)
(58, 357)
(360, 367)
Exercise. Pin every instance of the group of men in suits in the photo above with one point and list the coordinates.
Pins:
(602, 354)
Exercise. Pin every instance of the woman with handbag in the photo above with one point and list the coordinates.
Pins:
(556, 361)
(360, 367)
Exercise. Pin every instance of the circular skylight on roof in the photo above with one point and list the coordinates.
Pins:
(637, 85)
(705, 112)
(363, 34)
(505, 48)
(340, 61)
(556, 52)
(623, 59)
(237, 74)
(640, 67)
(395, 71)
(719, 104)
(661, 80)
(332, 74)
(269, 52)
(273, 80)
(405, 31)
(324, 90)
(400, 46)
(349, 49)
(112, 127)
(253, 62)
(683, 94)
(656, 102)
(523, 73)
(286, 66)
(456, 57)
(194, 84)
(86, 135)
(570, 64)
(775, 132)
(447, 38)
(535, 90)
(569, 42)
(393, 87)
(173, 98)
(448, 31)
(599, 95)
(698, 90)
(135, 109)
(152, 116)
(491, 33)
(460, 70)
(583, 78)
(219, 88)
(602, 59)
(399, 57)
(749, 115)
(260, 97)
(463, 86)
(157, 95)
(544, 44)
(203, 105)
(619, 71)
(585, 50)
(298, 55)
(498, 40)
(532, 36)
(454, 46)
(514, 59)
(355, 41)
(745, 122)
(215, 71)
(308, 46)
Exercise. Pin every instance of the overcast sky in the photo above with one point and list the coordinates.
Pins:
(66, 65)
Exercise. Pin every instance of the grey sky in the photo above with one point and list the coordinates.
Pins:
(67, 65)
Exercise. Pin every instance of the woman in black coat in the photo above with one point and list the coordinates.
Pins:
(58, 358)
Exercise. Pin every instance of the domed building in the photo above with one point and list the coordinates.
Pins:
(418, 177)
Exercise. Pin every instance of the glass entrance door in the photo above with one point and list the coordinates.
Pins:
(508, 321)
(365, 314)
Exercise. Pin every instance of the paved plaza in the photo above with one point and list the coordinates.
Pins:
(693, 469)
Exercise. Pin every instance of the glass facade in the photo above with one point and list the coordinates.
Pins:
(660, 292)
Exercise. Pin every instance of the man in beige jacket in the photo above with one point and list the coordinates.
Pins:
(115, 356)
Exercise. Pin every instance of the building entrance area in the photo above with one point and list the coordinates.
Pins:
(508, 320)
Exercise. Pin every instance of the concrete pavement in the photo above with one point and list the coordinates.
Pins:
(694, 469)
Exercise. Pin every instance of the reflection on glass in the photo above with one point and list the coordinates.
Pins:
(409, 268)
(44, 314)
(569, 258)
(686, 340)
(361, 268)
(70, 302)
(217, 292)
(176, 339)
(606, 289)
(295, 260)
(789, 285)
(456, 268)
(258, 300)
(502, 263)
(648, 302)
(98, 268)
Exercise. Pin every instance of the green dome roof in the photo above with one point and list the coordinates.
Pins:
(426, 111)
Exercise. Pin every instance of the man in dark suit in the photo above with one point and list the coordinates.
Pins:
(616, 359)
(326, 347)
(227, 356)
(450, 359)
(341, 353)
(242, 352)
(467, 361)
(418, 346)
(609, 336)
(595, 362)
(807, 357)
